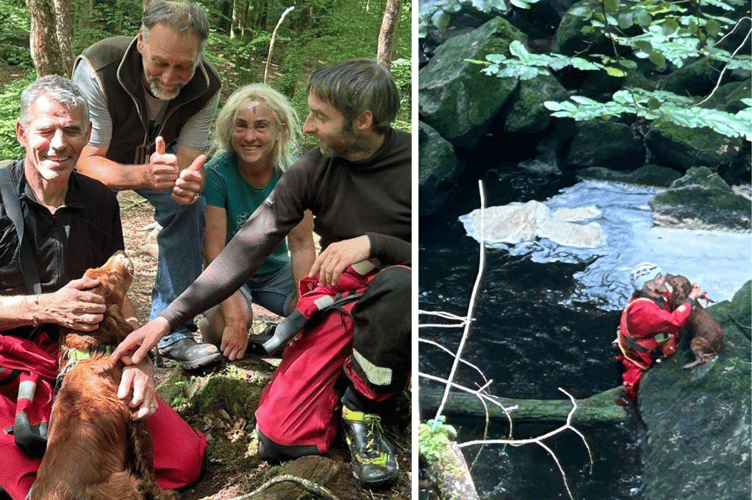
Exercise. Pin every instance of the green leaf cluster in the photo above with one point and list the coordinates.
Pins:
(643, 33)
(14, 34)
(314, 34)
(526, 65)
(652, 105)
(439, 13)
(433, 438)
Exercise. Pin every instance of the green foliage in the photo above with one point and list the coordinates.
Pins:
(661, 33)
(439, 13)
(316, 33)
(433, 437)
(649, 105)
(10, 97)
(350, 31)
(14, 34)
(402, 73)
(526, 66)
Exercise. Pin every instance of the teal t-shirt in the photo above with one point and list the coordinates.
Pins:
(226, 188)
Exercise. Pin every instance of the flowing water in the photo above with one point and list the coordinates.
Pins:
(545, 318)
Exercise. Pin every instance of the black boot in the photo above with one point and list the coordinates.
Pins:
(374, 462)
(192, 354)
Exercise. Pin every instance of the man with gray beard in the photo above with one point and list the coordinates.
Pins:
(152, 100)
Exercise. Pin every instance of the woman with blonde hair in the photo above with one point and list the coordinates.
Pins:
(257, 134)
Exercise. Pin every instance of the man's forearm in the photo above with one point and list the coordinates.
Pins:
(19, 310)
(116, 176)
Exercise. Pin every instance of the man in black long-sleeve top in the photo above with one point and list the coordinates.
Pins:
(357, 184)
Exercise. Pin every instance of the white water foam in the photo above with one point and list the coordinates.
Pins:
(720, 262)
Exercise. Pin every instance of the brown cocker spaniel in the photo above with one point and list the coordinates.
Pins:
(705, 332)
(95, 449)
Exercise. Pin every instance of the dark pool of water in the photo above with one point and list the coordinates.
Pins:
(529, 343)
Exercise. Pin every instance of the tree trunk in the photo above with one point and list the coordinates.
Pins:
(235, 22)
(64, 31)
(600, 408)
(389, 25)
(50, 38)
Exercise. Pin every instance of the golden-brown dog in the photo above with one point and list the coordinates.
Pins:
(95, 449)
(707, 335)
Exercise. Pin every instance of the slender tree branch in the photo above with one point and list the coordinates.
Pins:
(271, 44)
(471, 307)
(539, 440)
(448, 351)
(725, 67)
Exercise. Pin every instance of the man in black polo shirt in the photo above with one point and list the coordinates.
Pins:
(72, 223)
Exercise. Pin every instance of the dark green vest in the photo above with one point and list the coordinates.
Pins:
(118, 66)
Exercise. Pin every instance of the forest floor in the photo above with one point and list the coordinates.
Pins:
(221, 401)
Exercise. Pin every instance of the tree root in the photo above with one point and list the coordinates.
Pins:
(307, 485)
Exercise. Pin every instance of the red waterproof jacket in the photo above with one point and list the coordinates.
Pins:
(646, 326)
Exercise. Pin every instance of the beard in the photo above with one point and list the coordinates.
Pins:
(345, 145)
(160, 91)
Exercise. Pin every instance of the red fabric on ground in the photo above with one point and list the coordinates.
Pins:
(297, 406)
(178, 448)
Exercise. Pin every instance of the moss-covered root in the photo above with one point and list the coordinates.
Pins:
(445, 461)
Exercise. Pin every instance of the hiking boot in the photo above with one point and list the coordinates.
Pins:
(192, 354)
(374, 463)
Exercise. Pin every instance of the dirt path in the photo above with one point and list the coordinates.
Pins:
(221, 401)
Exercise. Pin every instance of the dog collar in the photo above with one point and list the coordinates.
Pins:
(79, 354)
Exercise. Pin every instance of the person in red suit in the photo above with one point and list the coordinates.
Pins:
(649, 329)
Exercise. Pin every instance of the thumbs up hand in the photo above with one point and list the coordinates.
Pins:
(163, 168)
(190, 182)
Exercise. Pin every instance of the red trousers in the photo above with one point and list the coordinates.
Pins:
(178, 448)
(297, 407)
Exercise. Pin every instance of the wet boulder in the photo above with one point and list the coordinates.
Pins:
(701, 200)
(698, 421)
(605, 143)
(438, 170)
(525, 112)
(695, 79)
(681, 147)
(648, 175)
(576, 33)
(456, 98)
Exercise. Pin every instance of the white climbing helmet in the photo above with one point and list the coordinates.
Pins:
(644, 272)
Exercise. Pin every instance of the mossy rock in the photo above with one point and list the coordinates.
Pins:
(601, 143)
(232, 389)
(701, 200)
(601, 86)
(648, 175)
(576, 34)
(696, 79)
(456, 98)
(729, 97)
(682, 147)
(739, 311)
(525, 112)
(698, 420)
(438, 170)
